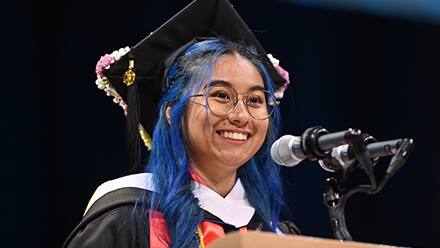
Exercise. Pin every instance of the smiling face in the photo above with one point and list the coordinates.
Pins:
(226, 143)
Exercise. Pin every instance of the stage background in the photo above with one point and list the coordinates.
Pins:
(349, 68)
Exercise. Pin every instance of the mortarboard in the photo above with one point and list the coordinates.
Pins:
(145, 63)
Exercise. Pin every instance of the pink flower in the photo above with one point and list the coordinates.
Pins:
(279, 93)
(104, 63)
(285, 74)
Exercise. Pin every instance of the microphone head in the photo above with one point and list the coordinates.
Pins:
(283, 150)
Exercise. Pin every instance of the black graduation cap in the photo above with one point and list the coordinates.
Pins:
(151, 56)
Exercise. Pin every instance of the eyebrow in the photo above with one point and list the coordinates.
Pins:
(226, 83)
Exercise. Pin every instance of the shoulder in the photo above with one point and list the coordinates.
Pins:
(141, 181)
(110, 220)
(114, 228)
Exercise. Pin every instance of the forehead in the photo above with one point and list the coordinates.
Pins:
(238, 71)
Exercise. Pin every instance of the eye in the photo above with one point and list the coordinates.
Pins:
(255, 101)
(220, 95)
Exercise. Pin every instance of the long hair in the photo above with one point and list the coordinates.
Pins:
(169, 156)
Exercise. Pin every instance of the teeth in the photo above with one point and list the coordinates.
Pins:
(234, 135)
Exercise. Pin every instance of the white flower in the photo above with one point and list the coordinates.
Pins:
(273, 59)
(279, 94)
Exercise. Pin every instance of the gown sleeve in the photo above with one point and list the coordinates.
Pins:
(115, 228)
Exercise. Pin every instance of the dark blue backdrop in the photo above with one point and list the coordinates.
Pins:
(348, 69)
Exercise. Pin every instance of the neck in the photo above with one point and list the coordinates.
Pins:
(220, 182)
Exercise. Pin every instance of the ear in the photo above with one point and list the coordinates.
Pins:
(168, 114)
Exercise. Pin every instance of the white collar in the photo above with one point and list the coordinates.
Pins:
(234, 209)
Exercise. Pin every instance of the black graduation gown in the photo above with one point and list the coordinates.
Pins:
(111, 223)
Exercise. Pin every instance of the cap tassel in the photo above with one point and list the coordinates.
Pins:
(133, 136)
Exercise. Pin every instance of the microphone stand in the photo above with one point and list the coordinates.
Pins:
(335, 198)
(336, 207)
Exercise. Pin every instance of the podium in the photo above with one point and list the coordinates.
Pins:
(264, 240)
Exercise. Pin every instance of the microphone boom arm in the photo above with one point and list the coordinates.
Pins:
(335, 199)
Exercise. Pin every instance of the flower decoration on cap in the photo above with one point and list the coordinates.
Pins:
(102, 81)
(279, 93)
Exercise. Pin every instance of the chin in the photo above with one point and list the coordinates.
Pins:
(235, 160)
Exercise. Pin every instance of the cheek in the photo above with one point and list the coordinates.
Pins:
(262, 129)
(197, 127)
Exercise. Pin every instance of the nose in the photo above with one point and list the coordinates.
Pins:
(239, 115)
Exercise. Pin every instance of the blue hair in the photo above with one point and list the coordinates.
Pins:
(169, 156)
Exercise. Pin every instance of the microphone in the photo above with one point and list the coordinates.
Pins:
(315, 143)
(288, 151)
(343, 155)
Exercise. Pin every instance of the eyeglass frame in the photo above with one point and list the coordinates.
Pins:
(236, 99)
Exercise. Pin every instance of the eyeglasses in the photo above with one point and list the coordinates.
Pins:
(223, 100)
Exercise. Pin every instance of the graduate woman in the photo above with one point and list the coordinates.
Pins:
(207, 92)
